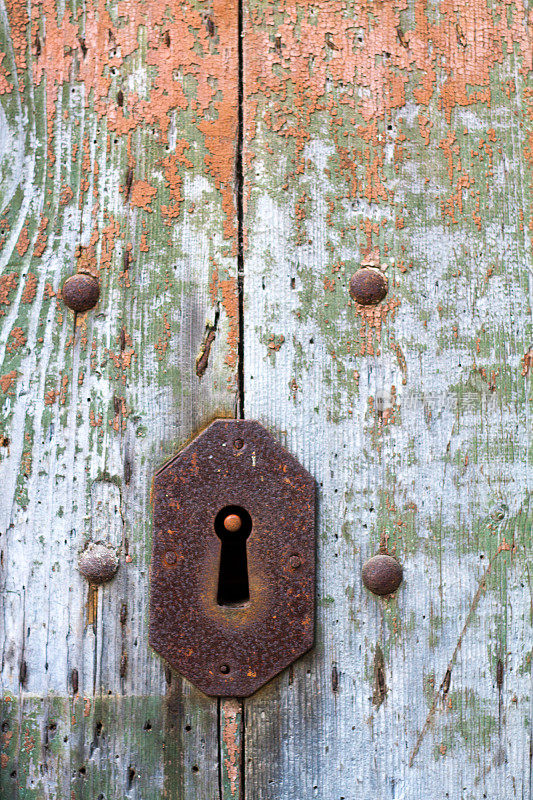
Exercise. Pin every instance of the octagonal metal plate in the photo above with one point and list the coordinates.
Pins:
(232, 650)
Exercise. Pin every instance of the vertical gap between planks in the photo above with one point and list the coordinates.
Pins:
(242, 764)
(231, 748)
(230, 712)
(239, 186)
(239, 734)
(220, 761)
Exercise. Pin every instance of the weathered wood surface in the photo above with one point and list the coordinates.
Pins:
(396, 131)
(399, 131)
(118, 129)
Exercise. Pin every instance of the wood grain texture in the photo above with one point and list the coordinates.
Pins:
(388, 132)
(117, 140)
(396, 133)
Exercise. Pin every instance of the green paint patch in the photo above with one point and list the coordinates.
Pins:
(87, 748)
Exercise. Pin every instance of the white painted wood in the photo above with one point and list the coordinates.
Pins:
(103, 168)
(425, 450)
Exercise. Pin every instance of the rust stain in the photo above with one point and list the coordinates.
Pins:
(6, 738)
(230, 737)
(118, 423)
(124, 358)
(86, 259)
(108, 236)
(29, 741)
(372, 320)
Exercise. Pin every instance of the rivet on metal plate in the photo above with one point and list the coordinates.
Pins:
(232, 592)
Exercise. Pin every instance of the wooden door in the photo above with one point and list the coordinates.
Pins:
(223, 169)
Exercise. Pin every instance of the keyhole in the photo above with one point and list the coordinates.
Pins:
(233, 526)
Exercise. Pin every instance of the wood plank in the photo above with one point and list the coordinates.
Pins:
(396, 131)
(117, 140)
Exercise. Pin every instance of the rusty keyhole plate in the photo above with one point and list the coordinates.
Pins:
(232, 650)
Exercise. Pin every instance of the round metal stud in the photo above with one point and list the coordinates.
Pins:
(368, 286)
(80, 292)
(382, 574)
(233, 523)
(98, 563)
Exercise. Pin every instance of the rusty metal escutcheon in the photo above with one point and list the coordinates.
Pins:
(232, 585)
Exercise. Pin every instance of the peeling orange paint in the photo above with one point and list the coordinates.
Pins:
(372, 320)
(42, 238)
(228, 290)
(527, 362)
(50, 397)
(19, 340)
(225, 290)
(8, 381)
(86, 259)
(180, 43)
(8, 283)
(23, 241)
(66, 195)
(230, 738)
(375, 50)
(5, 84)
(30, 288)
(174, 180)
(142, 195)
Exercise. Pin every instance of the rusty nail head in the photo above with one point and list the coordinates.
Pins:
(368, 286)
(224, 669)
(382, 574)
(98, 563)
(170, 558)
(233, 523)
(295, 562)
(80, 292)
(238, 444)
